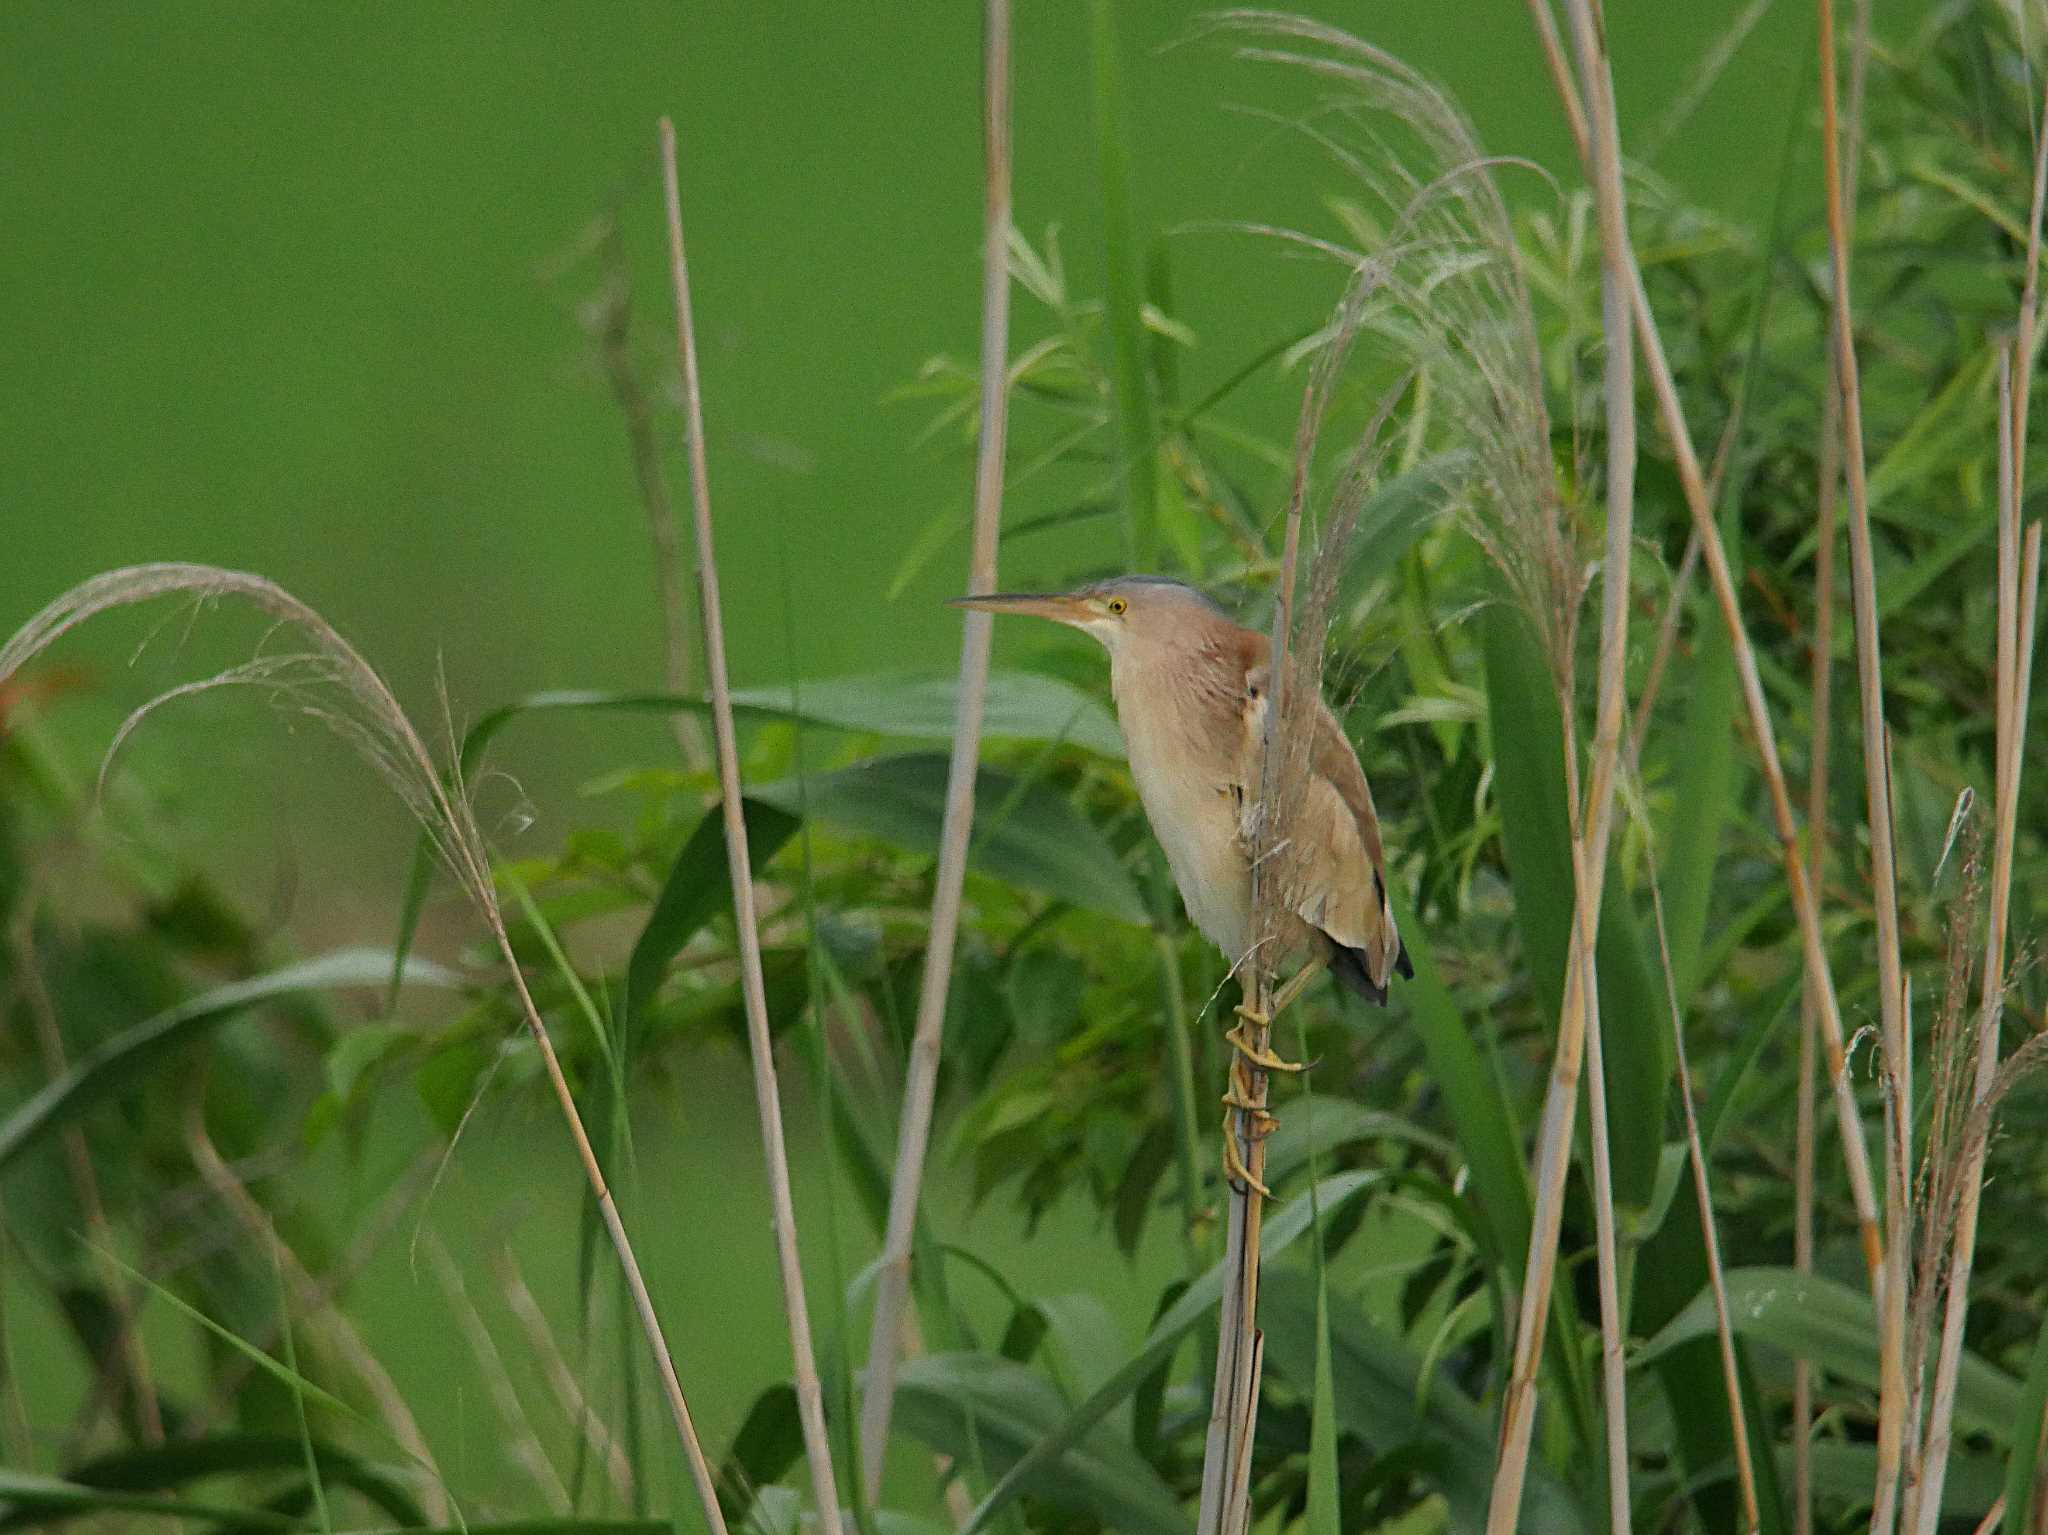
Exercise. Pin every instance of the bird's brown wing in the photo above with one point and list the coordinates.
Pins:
(1350, 901)
(1338, 865)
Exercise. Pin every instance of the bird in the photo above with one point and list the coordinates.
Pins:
(1192, 689)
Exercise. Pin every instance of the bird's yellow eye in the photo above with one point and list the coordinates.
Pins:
(1117, 604)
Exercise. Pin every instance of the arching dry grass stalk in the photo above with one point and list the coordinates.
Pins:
(921, 1075)
(330, 681)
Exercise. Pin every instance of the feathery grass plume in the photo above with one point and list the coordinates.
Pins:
(1453, 300)
(331, 682)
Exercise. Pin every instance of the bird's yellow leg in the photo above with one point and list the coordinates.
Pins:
(1258, 1124)
(1262, 1056)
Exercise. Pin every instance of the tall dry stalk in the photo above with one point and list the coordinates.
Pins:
(1895, 1045)
(921, 1074)
(1821, 691)
(2018, 584)
(767, 1097)
(332, 682)
(1578, 1025)
(1785, 824)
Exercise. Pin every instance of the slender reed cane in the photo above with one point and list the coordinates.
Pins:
(809, 1396)
(892, 1285)
(1579, 1023)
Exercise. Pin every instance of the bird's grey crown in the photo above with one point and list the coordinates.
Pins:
(1159, 586)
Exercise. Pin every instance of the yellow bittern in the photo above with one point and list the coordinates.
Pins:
(1192, 690)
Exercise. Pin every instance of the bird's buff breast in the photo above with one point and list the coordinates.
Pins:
(1194, 815)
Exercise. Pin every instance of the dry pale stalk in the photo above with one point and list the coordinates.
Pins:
(1578, 1022)
(1821, 689)
(1877, 791)
(540, 1337)
(920, 1082)
(767, 1099)
(1805, 905)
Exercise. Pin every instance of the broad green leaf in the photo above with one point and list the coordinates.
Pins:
(1322, 1123)
(1376, 1389)
(1529, 785)
(767, 1444)
(1025, 833)
(120, 1061)
(1845, 1473)
(1822, 1320)
(153, 1469)
(33, 1499)
(2024, 1440)
(1286, 1222)
(968, 1404)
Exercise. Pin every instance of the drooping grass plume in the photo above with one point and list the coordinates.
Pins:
(920, 1083)
(332, 682)
(767, 1096)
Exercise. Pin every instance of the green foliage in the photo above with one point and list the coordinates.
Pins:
(1061, 1100)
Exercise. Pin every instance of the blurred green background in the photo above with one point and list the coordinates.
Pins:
(293, 288)
(285, 290)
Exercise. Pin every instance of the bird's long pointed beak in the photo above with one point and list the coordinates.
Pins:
(1060, 607)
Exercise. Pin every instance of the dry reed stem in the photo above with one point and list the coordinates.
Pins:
(1225, 1501)
(524, 1443)
(363, 712)
(767, 1099)
(2018, 577)
(342, 1335)
(1821, 691)
(1578, 1026)
(540, 1337)
(1805, 905)
(921, 1074)
(127, 1354)
(1896, 1046)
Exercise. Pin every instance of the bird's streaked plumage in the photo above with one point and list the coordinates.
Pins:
(1192, 690)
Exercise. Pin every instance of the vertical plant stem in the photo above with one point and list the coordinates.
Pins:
(1225, 1506)
(1805, 903)
(525, 1445)
(892, 1288)
(1822, 693)
(1579, 1017)
(1891, 1295)
(767, 1099)
(2018, 575)
(540, 1337)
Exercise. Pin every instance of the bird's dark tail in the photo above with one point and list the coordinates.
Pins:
(1348, 965)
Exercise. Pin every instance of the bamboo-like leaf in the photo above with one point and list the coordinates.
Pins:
(1031, 836)
(963, 1403)
(154, 1469)
(121, 1060)
(1378, 1394)
(1287, 1222)
(2023, 1440)
(1810, 1317)
(33, 1499)
(1528, 746)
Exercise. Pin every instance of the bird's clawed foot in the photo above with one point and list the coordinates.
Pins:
(1259, 1055)
(1259, 1125)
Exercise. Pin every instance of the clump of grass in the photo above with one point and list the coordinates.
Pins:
(331, 681)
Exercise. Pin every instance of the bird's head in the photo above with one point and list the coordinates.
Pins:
(1125, 613)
